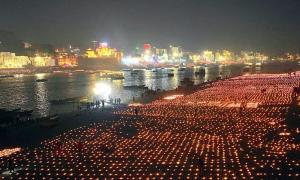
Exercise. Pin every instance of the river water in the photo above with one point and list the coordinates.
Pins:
(25, 93)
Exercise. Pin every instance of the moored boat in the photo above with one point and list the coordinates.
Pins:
(170, 74)
(49, 121)
(41, 80)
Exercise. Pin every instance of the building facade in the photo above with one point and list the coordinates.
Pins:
(10, 60)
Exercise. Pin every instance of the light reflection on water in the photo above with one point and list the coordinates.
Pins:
(41, 99)
(24, 92)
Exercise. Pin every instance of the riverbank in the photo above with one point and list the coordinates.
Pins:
(276, 64)
(233, 128)
(31, 134)
(21, 136)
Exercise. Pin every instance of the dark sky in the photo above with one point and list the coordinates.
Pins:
(266, 25)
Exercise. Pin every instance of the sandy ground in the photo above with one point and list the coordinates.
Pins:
(33, 134)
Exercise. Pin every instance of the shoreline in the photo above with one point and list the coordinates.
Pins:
(20, 136)
(53, 69)
(165, 127)
(32, 134)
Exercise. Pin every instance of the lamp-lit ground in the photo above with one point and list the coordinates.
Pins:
(234, 129)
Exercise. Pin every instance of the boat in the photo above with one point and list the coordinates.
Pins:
(127, 70)
(41, 80)
(170, 74)
(181, 69)
(135, 87)
(6, 76)
(49, 121)
(187, 82)
(247, 69)
(134, 72)
(200, 72)
(258, 64)
(154, 70)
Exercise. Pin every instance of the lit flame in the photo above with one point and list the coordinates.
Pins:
(8, 152)
(172, 97)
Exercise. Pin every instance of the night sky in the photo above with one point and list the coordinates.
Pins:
(270, 26)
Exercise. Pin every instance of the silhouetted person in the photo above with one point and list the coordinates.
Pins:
(102, 101)
(11, 165)
(136, 111)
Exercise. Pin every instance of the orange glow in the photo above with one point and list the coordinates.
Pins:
(8, 152)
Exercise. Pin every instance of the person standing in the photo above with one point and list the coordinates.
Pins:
(102, 101)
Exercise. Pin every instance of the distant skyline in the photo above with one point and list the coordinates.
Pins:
(271, 26)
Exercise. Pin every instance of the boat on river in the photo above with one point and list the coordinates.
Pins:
(6, 76)
(49, 121)
(170, 74)
(187, 82)
(135, 87)
(41, 80)
(181, 69)
(200, 72)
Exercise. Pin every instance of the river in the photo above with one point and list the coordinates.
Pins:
(25, 93)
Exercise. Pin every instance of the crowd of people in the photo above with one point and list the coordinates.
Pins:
(234, 129)
(99, 104)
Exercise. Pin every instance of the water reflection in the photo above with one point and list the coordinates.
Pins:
(29, 94)
(41, 97)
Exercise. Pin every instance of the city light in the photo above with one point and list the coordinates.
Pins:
(40, 75)
(129, 60)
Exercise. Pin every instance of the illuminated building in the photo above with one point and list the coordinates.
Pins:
(102, 57)
(289, 56)
(162, 55)
(66, 59)
(253, 57)
(95, 44)
(132, 60)
(90, 53)
(104, 51)
(74, 51)
(27, 45)
(42, 61)
(175, 53)
(147, 49)
(224, 56)
(10, 60)
(196, 58)
(208, 56)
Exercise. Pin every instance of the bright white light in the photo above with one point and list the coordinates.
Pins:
(172, 97)
(40, 75)
(131, 60)
(102, 89)
(104, 44)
